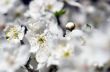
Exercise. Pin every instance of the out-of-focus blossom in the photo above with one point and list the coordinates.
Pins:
(95, 52)
(16, 13)
(44, 7)
(6, 5)
(10, 58)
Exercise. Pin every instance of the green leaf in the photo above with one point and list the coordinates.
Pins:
(59, 13)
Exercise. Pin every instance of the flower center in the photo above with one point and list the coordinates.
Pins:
(12, 33)
(18, 14)
(66, 54)
(41, 40)
(49, 6)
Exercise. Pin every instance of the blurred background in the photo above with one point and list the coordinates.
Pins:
(96, 13)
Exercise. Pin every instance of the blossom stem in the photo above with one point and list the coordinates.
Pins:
(28, 66)
(59, 23)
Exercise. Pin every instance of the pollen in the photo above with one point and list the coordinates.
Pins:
(41, 40)
(66, 54)
(49, 6)
(12, 33)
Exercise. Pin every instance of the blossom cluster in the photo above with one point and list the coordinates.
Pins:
(55, 36)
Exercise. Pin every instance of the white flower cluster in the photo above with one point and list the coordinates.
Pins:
(54, 36)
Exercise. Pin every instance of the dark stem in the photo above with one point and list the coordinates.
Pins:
(28, 66)
(59, 23)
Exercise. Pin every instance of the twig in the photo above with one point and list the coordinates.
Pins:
(28, 66)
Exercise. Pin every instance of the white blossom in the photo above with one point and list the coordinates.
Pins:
(39, 8)
(12, 56)
(14, 33)
(6, 5)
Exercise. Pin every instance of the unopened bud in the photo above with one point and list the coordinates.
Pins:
(70, 26)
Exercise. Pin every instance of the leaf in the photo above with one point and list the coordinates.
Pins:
(59, 13)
